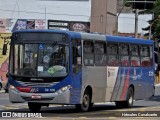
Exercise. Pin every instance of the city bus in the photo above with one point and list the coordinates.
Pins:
(74, 68)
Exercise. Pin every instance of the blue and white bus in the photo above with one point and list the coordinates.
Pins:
(71, 68)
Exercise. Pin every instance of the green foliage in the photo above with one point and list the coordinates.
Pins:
(157, 30)
(155, 21)
(127, 4)
(156, 11)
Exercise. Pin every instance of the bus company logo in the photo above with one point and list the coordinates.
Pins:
(111, 73)
(33, 90)
(78, 26)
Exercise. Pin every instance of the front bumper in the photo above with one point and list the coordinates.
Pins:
(20, 97)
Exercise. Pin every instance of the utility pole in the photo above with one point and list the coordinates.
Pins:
(136, 23)
(136, 15)
(45, 18)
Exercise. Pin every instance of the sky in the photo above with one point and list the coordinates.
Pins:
(70, 10)
(126, 22)
(46, 9)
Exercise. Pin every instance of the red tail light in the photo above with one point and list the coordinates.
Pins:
(24, 89)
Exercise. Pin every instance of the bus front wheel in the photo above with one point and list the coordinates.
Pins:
(86, 102)
(34, 107)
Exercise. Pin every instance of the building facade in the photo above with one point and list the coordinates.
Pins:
(103, 16)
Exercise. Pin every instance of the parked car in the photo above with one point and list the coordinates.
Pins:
(1, 83)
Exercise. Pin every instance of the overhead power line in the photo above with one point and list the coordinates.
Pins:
(42, 13)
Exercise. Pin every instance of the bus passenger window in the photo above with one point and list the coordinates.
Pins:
(135, 58)
(112, 60)
(145, 59)
(100, 53)
(124, 55)
(124, 60)
(135, 61)
(112, 54)
(76, 55)
(88, 53)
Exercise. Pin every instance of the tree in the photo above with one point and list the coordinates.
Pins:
(156, 11)
(155, 22)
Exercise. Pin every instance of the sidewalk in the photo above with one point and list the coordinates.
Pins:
(157, 85)
(157, 89)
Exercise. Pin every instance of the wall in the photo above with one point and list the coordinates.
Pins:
(103, 16)
(4, 54)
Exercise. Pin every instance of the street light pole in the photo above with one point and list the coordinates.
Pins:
(136, 23)
(150, 27)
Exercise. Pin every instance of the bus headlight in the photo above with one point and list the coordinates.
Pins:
(63, 89)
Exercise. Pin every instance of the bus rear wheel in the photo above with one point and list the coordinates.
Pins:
(86, 102)
(130, 96)
(129, 101)
(34, 107)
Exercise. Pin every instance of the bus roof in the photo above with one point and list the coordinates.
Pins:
(28, 31)
(128, 40)
(71, 33)
(93, 36)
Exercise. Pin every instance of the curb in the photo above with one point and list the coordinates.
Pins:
(157, 85)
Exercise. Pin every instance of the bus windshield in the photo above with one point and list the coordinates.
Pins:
(39, 60)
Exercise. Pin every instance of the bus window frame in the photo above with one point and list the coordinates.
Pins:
(93, 52)
(145, 56)
(138, 56)
(124, 55)
(104, 54)
(76, 67)
(110, 54)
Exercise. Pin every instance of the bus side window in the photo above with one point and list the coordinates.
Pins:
(88, 56)
(100, 53)
(112, 53)
(135, 58)
(124, 54)
(145, 56)
(76, 55)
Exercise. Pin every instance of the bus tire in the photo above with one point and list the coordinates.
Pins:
(130, 97)
(153, 94)
(34, 107)
(86, 102)
(129, 102)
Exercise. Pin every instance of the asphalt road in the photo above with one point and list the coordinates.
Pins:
(99, 111)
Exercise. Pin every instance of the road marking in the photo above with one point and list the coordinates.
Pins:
(3, 98)
(8, 107)
(111, 117)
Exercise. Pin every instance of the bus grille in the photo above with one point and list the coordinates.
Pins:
(36, 84)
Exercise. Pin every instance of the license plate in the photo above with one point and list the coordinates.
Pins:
(36, 97)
